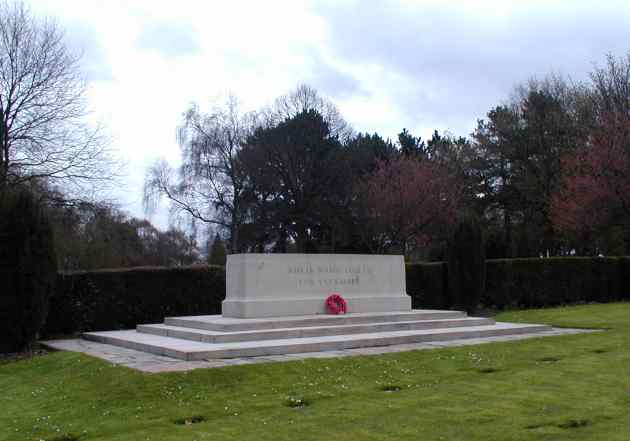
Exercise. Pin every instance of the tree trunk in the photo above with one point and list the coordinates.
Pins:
(234, 237)
(507, 226)
(4, 153)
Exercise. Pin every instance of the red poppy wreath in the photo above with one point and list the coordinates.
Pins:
(335, 304)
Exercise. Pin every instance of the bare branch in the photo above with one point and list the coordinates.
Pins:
(43, 129)
(209, 185)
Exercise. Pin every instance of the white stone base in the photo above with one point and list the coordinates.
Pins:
(194, 344)
(306, 306)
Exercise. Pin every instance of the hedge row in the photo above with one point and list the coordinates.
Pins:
(122, 298)
(535, 283)
(529, 283)
(427, 285)
(119, 299)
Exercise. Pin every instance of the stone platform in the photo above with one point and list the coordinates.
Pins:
(151, 363)
(217, 337)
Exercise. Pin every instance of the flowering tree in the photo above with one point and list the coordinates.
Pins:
(596, 186)
(406, 201)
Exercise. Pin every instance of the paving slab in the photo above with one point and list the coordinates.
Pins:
(153, 363)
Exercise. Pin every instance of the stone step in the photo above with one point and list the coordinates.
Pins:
(193, 350)
(309, 331)
(227, 324)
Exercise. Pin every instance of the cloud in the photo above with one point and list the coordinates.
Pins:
(328, 79)
(419, 64)
(169, 39)
(452, 61)
(83, 41)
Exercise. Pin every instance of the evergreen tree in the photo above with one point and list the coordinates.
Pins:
(217, 254)
(466, 265)
(411, 146)
(297, 176)
(28, 269)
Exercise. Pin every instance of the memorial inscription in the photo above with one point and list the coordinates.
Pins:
(328, 276)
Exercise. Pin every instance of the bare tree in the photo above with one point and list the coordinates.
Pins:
(209, 185)
(43, 129)
(611, 87)
(303, 99)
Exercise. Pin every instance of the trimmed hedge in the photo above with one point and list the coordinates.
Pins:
(123, 298)
(529, 283)
(535, 283)
(427, 285)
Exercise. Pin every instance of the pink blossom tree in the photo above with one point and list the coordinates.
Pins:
(596, 184)
(406, 201)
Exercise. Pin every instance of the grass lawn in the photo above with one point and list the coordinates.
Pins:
(556, 388)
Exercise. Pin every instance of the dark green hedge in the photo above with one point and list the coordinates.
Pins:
(123, 298)
(529, 283)
(534, 283)
(119, 299)
(427, 285)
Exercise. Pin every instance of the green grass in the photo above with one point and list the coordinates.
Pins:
(557, 388)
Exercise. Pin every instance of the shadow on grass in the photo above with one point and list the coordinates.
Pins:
(296, 401)
(548, 359)
(568, 424)
(190, 420)
(390, 388)
(574, 424)
(66, 437)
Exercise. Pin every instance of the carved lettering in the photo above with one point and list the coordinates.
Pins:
(329, 276)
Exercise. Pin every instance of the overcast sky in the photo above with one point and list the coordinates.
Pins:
(422, 65)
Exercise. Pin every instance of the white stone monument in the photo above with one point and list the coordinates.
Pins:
(275, 304)
(275, 285)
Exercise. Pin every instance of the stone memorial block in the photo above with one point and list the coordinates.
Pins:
(270, 285)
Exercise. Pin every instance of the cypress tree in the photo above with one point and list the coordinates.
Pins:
(28, 269)
(466, 265)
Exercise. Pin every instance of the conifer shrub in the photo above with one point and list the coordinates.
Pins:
(28, 269)
(466, 265)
